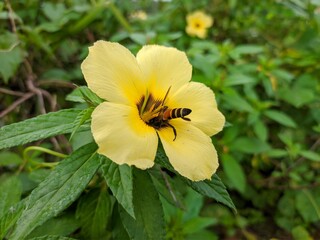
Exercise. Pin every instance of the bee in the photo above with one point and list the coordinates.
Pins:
(165, 114)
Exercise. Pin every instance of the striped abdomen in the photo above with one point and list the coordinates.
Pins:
(176, 113)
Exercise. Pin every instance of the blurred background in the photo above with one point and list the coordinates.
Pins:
(262, 60)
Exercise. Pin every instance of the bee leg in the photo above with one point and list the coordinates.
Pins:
(186, 119)
(174, 130)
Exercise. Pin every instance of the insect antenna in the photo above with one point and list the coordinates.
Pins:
(165, 96)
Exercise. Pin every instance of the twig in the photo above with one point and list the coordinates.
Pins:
(10, 92)
(170, 189)
(50, 99)
(301, 159)
(16, 103)
(11, 18)
(56, 83)
(31, 86)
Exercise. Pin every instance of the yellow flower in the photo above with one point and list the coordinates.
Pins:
(198, 24)
(141, 92)
(139, 15)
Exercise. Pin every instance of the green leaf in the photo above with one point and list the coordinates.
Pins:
(149, 222)
(62, 226)
(197, 223)
(84, 94)
(234, 172)
(245, 49)
(90, 96)
(239, 79)
(118, 230)
(194, 202)
(310, 155)
(11, 55)
(43, 126)
(9, 218)
(203, 235)
(10, 193)
(277, 153)
(307, 205)
(9, 159)
(297, 96)
(299, 232)
(119, 179)
(94, 211)
(261, 130)
(166, 187)
(281, 118)
(214, 188)
(236, 102)
(249, 145)
(58, 190)
(82, 117)
(139, 38)
(51, 237)
(53, 11)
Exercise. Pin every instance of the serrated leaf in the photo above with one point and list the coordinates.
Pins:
(118, 230)
(281, 118)
(234, 172)
(119, 179)
(52, 237)
(58, 190)
(94, 211)
(84, 94)
(214, 188)
(149, 222)
(10, 217)
(62, 225)
(10, 193)
(43, 126)
(194, 203)
(166, 187)
(82, 117)
(90, 96)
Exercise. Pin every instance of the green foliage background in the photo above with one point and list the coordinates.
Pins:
(261, 58)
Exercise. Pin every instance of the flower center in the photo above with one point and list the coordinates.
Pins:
(149, 108)
(198, 25)
(155, 114)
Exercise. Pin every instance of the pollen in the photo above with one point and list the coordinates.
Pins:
(149, 107)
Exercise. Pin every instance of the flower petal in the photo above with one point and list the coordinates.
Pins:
(122, 136)
(192, 153)
(164, 67)
(201, 100)
(112, 72)
(200, 33)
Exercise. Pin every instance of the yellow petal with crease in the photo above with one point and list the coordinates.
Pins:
(201, 100)
(192, 154)
(112, 72)
(164, 67)
(122, 136)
